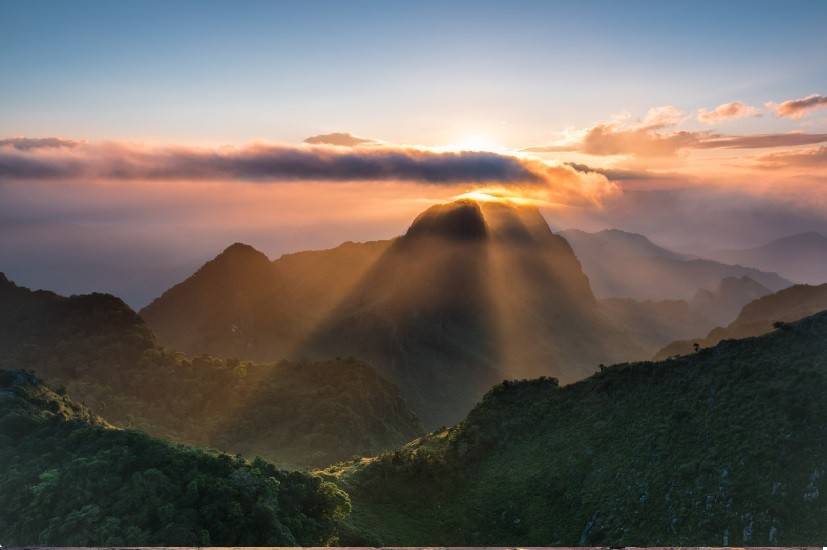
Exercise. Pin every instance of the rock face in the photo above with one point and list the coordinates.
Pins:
(471, 294)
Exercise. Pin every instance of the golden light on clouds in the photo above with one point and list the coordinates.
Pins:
(502, 195)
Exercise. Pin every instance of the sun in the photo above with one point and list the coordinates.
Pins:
(475, 142)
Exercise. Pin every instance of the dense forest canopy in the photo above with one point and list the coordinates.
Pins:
(70, 479)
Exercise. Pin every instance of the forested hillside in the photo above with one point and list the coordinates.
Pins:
(69, 479)
(298, 414)
(724, 447)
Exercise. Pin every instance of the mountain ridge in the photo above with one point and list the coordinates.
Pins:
(801, 257)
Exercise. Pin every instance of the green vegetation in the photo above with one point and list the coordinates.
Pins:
(67, 478)
(297, 414)
(726, 446)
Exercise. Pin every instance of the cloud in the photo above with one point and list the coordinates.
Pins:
(342, 139)
(727, 111)
(656, 134)
(804, 158)
(611, 139)
(618, 174)
(760, 141)
(25, 144)
(661, 117)
(797, 108)
(645, 138)
(714, 215)
(264, 163)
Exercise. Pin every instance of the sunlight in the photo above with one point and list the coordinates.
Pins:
(474, 142)
(502, 195)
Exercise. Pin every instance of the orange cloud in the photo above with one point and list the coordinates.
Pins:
(802, 158)
(342, 139)
(650, 139)
(727, 111)
(661, 117)
(759, 141)
(797, 108)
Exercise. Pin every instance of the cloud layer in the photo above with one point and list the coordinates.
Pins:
(263, 163)
(656, 135)
(804, 158)
(797, 108)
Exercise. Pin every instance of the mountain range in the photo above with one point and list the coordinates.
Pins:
(471, 294)
(801, 258)
(758, 317)
(328, 359)
(627, 265)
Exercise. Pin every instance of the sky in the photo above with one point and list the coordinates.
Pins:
(138, 139)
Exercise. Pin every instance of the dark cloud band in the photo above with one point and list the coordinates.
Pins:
(261, 163)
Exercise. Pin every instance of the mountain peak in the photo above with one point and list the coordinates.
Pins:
(460, 220)
(808, 237)
(241, 252)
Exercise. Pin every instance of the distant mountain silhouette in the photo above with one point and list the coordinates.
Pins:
(471, 294)
(628, 265)
(655, 323)
(725, 302)
(242, 304)
(757, 317)
(801, 258)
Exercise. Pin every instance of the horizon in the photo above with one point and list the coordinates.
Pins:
(139, 140)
